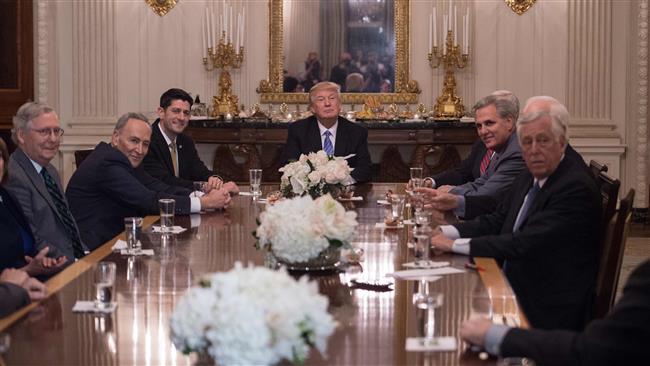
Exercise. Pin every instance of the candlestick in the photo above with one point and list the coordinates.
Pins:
(435, 28)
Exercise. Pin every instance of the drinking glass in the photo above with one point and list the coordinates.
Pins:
(133, 228)
(429, 303)
(255, 181)
(397, 207)
(167, 209)
(416, 178)
(515, 361)
(422, 248)
(5, 342)
(104, 284)
(198, 187)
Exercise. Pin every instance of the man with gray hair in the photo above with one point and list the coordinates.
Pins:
(35, 183)
(495, 160)
(544, 232)
(111, 185)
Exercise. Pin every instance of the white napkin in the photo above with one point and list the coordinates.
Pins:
(420, 345)
(245, 193)
(174, 230)
(381, 225)
(383, 202)
(119, 245)
(148, 252)
(353, 198)
(89, 307)
(411, 273)
(428, 264)
(408, 222)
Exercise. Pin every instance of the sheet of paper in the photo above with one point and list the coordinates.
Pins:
(89, 307)
(441, 344)
(411, 273)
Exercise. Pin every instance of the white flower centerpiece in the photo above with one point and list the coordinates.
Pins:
(315, 174)
(305, 233)
(252, 316)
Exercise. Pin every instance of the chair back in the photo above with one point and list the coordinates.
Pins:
(80, 156)
(611, 256)
(608, 193)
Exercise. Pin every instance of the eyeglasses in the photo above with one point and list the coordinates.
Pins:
(45, 132)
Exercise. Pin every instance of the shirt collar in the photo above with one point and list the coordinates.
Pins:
(331, 129)
(167, 139)
(36, 165)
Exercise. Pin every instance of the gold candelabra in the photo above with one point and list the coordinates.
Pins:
(224, 57)
(449, 105)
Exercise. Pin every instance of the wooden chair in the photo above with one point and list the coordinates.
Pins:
(611, 256)
(597, 167)
(609, 194)
(81, 155)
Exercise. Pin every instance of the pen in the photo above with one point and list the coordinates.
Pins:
(474, 267)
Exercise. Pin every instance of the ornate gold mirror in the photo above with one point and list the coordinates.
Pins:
(334, 39)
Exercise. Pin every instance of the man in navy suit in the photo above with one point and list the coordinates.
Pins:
(544, 232)
(172, 156)
(325, 130)
(110, 185)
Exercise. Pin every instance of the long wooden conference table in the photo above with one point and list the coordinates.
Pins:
(372, 325)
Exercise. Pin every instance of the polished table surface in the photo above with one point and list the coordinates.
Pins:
(372, 325)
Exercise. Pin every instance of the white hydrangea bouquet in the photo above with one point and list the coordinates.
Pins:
(298, 230)
(315, 174)
(252, 316)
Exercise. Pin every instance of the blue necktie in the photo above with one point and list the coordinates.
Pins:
(64, 213)
(327, 145)
(530, 198)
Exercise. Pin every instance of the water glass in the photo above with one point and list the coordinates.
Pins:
(397, 206)
(133, 228)
(255, 181)
(105, 284)
(198, 187)
(416, 177)
(167, 209)
(515, 361)
(5, 342)
(422, 248)
(429, 303)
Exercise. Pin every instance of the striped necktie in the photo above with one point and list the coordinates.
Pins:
(486, 160)
(327, 144)
(64, 213)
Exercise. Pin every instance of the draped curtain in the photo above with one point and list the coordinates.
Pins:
(301, 33)
(333, 35)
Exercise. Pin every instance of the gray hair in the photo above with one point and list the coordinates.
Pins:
(557, 127)
(25, 115)
(545, 103)
(121, 122)
(324, 85)
(507, 108)
(509, 96)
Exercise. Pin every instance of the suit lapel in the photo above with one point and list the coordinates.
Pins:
(35, 179)
(315, 142)
(163, 148)
(340, 145)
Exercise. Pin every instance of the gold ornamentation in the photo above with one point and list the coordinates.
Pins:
(161, 7)
(406, 90)
(449, 105)
(520, 6)
(224, 57)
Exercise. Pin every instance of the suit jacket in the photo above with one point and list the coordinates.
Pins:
(502, 171)
(482, 205)
(106, 189)
(621, 338)
(158, 162)
(304, 137)
(12, 298)
(468, 170)
(28, 187)
(551, 261)
(11, 221)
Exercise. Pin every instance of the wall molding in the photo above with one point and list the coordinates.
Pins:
(642, 104)
(42, 54)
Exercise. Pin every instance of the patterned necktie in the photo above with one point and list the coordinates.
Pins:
(172, 150)
(64, 213)
(486, 160)
(530, 197)
(327, 144)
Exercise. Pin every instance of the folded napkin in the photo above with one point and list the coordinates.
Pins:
(381, 225)
(119, 245)
(174, 230)
(408, 222)
(147, 252)
(417, 273)
(441, 344)
(383, 202)
(427, 264)
(245, 193)
(353, 198)
(89, 307)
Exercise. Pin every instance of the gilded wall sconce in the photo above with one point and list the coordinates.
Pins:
(161, 7)
(520, 6)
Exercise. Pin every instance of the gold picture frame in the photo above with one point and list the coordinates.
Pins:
(406, 90)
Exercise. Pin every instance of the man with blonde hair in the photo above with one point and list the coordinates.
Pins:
(327, 131)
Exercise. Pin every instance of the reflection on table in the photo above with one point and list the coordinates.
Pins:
(373, 325)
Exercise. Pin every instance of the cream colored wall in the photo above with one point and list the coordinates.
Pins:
(98, 59)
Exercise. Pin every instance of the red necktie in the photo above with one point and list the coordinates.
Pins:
(486, 160)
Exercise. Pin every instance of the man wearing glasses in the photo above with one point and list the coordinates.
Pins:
(36, 184)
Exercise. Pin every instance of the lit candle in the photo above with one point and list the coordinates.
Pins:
(205, 45)
(206, 29)
(243, 26)
(435, 28)
(430, 30)
(467, 31)
(455, 26)
(211, 35)
(230, 24)
(444, 33)
(449, 21)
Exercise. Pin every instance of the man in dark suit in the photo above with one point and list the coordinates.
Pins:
(110, 186)
(327, 131)
(621, 338)
(172, 156)
(545, 231)
(35, 183)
